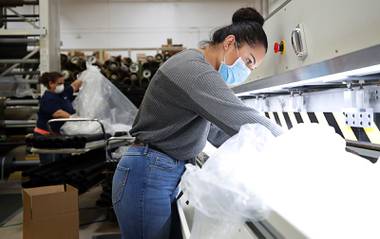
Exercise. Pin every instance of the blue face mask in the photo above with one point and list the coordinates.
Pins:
(235, 73)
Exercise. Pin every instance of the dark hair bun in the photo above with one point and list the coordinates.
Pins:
(247, 14)
(46, 77)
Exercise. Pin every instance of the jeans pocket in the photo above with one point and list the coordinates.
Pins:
(119, 181)
(165, 163)
(136, 151)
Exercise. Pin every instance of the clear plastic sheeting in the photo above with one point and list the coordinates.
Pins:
(100, 99)
(18, 86)
(304, 175)
(222, 189)
(23, 89)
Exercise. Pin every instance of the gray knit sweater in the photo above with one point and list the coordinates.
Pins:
(183, 97)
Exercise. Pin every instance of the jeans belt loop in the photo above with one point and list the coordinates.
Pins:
(146, 148)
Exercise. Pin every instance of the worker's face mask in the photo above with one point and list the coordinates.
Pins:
(59, 89)
(235, 73)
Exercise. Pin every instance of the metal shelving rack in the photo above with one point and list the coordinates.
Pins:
(40, 32)
(29, 45)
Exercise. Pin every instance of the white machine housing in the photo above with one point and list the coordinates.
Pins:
(330, 29)
(332, 69)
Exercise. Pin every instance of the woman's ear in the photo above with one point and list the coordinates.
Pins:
(228, 41)
(51, 84)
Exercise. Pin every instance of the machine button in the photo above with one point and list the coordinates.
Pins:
(279, 47)
(276, 47)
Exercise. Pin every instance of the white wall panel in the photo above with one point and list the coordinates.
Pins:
(123, 24)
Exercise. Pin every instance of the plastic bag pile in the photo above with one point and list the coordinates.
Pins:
(100, 99)
(304, 175)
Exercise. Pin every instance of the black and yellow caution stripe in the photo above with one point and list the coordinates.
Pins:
(333, 119)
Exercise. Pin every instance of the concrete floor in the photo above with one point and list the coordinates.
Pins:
(87, 210)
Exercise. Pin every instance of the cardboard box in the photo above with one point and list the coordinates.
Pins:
(51, 212)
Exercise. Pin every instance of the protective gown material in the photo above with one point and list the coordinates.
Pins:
(305, 175)
(100, 99)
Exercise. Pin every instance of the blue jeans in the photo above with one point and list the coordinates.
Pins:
(143, 189)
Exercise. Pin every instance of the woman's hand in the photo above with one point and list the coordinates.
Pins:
(76, 85)
(61, 114)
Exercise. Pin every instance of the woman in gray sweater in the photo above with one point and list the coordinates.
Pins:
(186, 94)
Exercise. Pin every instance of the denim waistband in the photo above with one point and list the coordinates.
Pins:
(148, 147)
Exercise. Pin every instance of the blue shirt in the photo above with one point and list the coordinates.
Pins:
(51, 102)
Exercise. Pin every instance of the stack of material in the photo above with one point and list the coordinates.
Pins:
(131, 77)
(81, 171)
(72, 65)
(61, 141)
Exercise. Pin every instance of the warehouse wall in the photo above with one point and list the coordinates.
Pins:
(123, 23)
